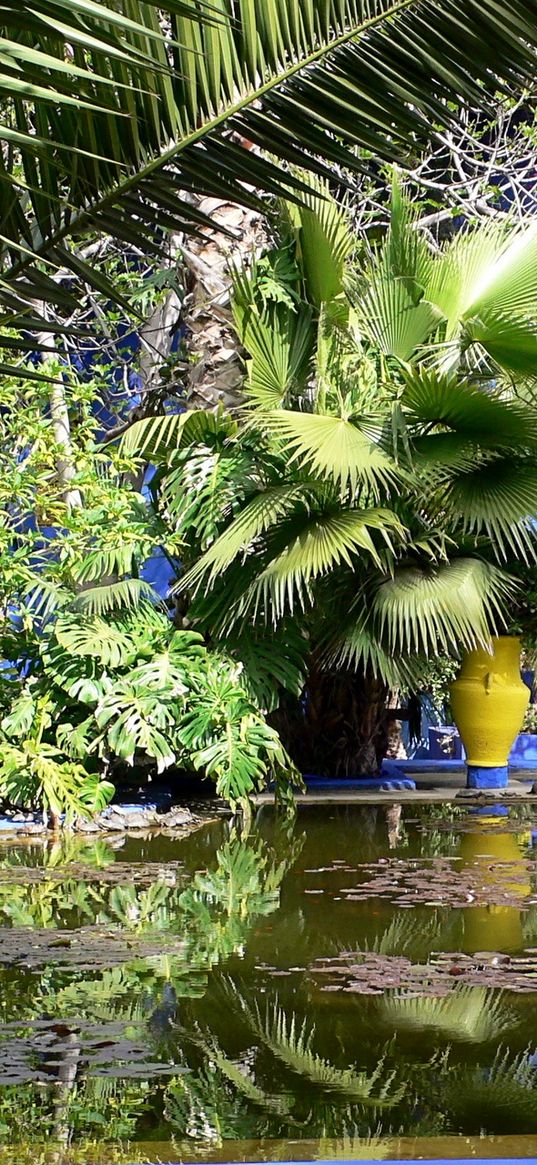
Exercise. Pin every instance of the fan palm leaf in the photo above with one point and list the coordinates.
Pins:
(334, 448)
(421, 608)
(258, 515)
(500, 500)
(325, 241)
(391, 320)
(325, 542)
(279, 355)
(486, 417)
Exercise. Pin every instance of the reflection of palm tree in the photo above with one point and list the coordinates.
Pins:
(465, 1013)
(228, 1097)
(500, 1098)
(215, 915)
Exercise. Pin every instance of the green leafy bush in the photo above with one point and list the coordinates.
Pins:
(133, 689)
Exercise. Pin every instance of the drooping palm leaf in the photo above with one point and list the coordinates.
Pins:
(419, 609)
(350, 642)
(501, 500)
(303, 84)
(482, 416)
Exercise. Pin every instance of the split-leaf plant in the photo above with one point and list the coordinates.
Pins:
(98, 673)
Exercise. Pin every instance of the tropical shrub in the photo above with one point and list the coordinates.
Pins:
(388, 462)
(97, 672)
(136, 690)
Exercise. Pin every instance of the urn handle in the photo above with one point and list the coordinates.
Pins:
(489, 682)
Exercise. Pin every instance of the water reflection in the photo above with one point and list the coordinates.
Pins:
(97, 1063)
(164, 992)
(496, 927)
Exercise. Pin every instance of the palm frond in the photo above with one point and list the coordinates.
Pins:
(128, 594)
(483, 416)
(324, 542)
(390, 319)
(324, 241)
(333, 77)
(509, 284)
(156, 437)
(43, 596)
(499, 500)
(257, 516)
(350, 642)
(279, 353)
(509, 339)
(271, 663)
(460, 268)
(103, 563)
(406, 254)
(205, 487)
(420, 609)
(334, 448)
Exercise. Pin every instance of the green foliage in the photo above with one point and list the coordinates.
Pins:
(127, 692)
(392, 481)
(291, 1043)
(113, 110)
(503, 1094)
(474, 1014)
(37, 774)
(104, 676)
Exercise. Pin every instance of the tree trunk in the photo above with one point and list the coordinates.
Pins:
(61, 426)
(65, 467)
(217, 373)
(395, 746)
(340, 726)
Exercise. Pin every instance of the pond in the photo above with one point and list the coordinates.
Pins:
(361, 982)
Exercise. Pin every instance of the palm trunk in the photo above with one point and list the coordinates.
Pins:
(339, 728)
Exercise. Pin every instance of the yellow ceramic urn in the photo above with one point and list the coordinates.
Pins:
(488, 701)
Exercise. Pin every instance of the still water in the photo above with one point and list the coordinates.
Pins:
(361, 982)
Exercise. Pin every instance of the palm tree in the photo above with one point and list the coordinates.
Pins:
(115, 116)
(386, 474)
